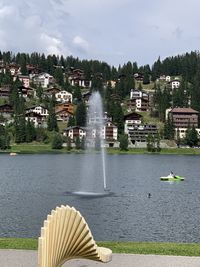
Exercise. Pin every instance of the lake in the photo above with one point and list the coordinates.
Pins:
(33, 185)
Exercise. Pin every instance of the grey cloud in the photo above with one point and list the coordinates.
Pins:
(177, 32)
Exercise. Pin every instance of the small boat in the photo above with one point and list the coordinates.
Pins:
(172, 178)
(13, 153)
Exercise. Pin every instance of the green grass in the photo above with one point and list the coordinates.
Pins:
(181, 249)
(18, 243)
(175, 151)
(37, 148)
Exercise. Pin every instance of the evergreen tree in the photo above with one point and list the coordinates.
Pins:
(123, 142)
(169, 130)
(191, 138)
(58, 75)
(57, 141)
(39, 92)
(30, 132)
(69, 143)
(150, 142)
(77, 94)
(4, 138)
(78, 143)
(81, 114)
(23, 65)
(146, 79)
(71, 121)
(52, 120)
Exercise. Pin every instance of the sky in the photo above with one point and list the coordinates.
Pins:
(112, 31)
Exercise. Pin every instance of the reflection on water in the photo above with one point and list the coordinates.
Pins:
(33, 185)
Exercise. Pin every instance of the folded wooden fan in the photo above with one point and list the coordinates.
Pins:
(66, 235)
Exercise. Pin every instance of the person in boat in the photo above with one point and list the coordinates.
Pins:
(172, 174)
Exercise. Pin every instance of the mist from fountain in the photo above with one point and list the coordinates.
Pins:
(93, 172)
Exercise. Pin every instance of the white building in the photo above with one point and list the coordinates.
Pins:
(63, 96)
(24, 79)
(39, 110)
(175, 84)
(181, 132)
(131, 120)
(168, 78)
(43, 79)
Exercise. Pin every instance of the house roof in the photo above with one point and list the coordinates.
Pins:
(36, 106)
(75, 127)
(6, 105)
(132, 116)
(64, 111)
(184, 110)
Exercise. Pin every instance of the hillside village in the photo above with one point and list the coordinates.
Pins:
(149, 106)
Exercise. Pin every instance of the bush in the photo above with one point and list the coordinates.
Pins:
(57, 142)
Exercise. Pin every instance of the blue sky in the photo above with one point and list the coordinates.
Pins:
(108, 30)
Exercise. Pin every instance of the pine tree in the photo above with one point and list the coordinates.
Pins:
(52, 120)
(146, 79)
(71, 121)
(78, 143)
(123, 142)
(81, 114)
(57, 141)
(191, 138)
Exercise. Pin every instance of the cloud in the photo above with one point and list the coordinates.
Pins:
(177, 33)
(53, 45)
(81, 44)
(114, 31)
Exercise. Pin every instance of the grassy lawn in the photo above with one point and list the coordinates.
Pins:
(36, 148)
(175, 151)
(181, 249)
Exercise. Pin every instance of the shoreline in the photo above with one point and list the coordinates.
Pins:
(156, 248)
(46, 149)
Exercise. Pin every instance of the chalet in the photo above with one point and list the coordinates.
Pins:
(183, 117)
(52, 90)
(139, 77)
(2, 67)
(41, 110)
(63, 115)
(14, 69)
(138, 104)
(162, 78)
(86, 96)
(34, 117)
(26, 92)
(6, 110)
(74, 132)
(32, 70)
(43, 79)
(130, 120)
(110, 132)
(180, 133)
(69, 107)
(76, 77)
(139, 100)
(175, 83)
(24, 79)
(63, 96)
(139, 133)
(5, 91)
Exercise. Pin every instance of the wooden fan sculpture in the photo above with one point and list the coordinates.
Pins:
(66, 235)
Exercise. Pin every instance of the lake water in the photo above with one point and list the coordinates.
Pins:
(32, 185)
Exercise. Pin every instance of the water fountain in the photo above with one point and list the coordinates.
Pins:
(93, 181)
